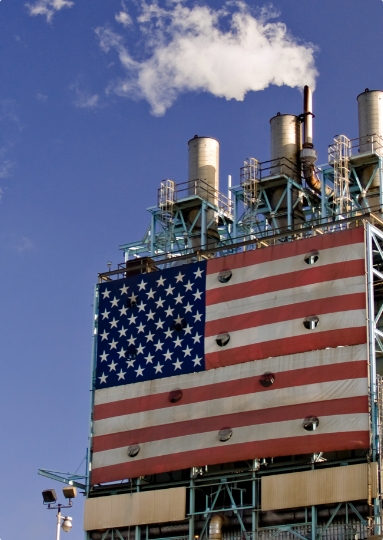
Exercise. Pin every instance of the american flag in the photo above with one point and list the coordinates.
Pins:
(151, 326)
(182, 352)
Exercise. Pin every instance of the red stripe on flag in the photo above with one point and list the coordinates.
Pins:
(331, 407)
(236, 387)
(307, 444)
(289, 345)
(288, 249)
(289, 280)
(347, 302)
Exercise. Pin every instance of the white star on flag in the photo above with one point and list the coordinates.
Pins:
(161, 281)
(158, 368)
(177, 364)
(124, 289)
(112, 366)
(142, 285)
(103, 378)
(139, 371)
(106, 293)
(121, 375)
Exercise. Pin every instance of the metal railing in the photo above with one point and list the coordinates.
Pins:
(272, 167)
(199, 188)
(368, 144)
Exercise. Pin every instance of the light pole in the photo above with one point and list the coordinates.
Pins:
(50, 499)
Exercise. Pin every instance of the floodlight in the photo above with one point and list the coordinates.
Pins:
(67, 524)
(49, 496)
(70, 492)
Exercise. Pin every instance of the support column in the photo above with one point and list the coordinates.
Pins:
(370, 231)
(254, 513)
(203, 226)
(152, 235)
(380, 186)
(191, 506)
(137, 533)
(289, 206)
(313, 522)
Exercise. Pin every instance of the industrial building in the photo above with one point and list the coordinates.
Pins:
(236, 390)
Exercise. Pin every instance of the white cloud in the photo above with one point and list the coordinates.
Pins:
(48, 7)
(25, 244)
(10, 130)
(84, 100)
(123, 16)
(5, 168)
(227, 52)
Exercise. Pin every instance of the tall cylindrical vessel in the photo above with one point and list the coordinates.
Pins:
(204, 168)
(203, 180)
(285, 145)
(370, 119)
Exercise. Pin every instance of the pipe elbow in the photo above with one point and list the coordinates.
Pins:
(315, 183)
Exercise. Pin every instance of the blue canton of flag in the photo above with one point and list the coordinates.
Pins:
(151, 326)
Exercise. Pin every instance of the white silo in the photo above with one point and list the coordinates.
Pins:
(370, 119)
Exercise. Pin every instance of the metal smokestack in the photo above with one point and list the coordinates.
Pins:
(308, 116)
(370, 117)
(203, 180)
(308, 153)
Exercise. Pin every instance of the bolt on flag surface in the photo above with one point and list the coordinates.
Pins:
(157, 333)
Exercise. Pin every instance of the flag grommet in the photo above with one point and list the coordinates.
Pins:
(311, 322)
(225, 276)
(267, 379)
(225, 434)
(222, 339)
(179, 324)
(133, 450)
(175, 396)
(312, 257)
(310, 423)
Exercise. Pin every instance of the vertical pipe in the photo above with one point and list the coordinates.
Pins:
(137, 532)
(152, 235)
(380, 186)
(58, 524)
(371, 339)
(229, 194)
(313, 523)
(308, 116)
(191, 507)
(235, 214)
(203, 225)
(254, 513)
(372, 362)
(289, 206)
(323, 197)
(92, 387)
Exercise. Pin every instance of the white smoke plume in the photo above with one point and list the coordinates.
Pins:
(48, 8)
(227, 52)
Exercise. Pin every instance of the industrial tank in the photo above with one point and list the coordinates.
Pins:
(285, 145)
(203, 180)
(203, 174)
(370, 119)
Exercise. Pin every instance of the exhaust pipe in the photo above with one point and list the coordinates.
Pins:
(215, 527)
(308, 153)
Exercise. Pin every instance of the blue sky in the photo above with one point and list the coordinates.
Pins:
(98, 99)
